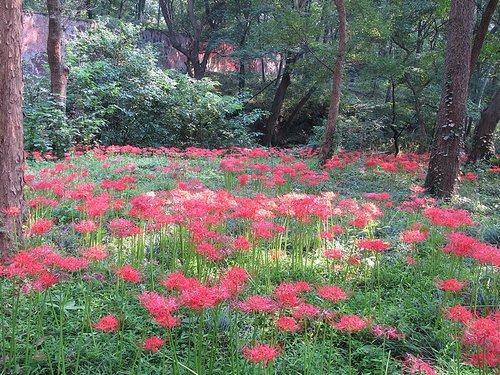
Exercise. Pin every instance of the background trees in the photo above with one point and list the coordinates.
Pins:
(277, 56)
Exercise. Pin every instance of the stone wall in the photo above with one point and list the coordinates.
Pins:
(35, 30)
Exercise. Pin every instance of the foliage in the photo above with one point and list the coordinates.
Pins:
(120, 85)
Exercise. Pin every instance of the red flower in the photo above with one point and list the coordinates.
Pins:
(387, 332)
(41, 226)
(129, 273)
(458, 314)
(153, 343)
(350, 323)
(261, 353)
(450, 285)
(123, 228)
(85, 226)
(415, 365)
(95, 253)
(413, 236)
(257, 304)
(373, 245)
(332, 293)
(107, 323)
(333, 254)
(287, 324)
(448, 217)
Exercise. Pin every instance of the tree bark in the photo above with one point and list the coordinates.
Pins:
(58, 70)
(481, 32)
(279, 98)
(326, 148)
(483, 146)
(447, 146)
(11, 125)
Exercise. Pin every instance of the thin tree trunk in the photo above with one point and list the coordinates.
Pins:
(447, 146)
(483, 146)
(88, 5)
(11, 125)
(299, 105)
(481, 32)
(326, 148)
(279, 98)
(58, 70)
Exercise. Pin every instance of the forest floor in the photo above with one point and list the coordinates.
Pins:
(149, 261)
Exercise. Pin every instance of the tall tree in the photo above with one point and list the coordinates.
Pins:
(483, 146)
(58, 70)
(195, 39)
(333, 111)
(447, 145)
(11, 124)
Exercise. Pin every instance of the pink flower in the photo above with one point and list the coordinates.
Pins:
(286, 323)
(350, 323)
(450, 285)
(129, 273)
(332, 293)
(261, 353)
(153, 343)
(107, 323)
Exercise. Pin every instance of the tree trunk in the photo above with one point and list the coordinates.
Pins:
(279, 98)
(11, 125)
(88, 5)
(483, 146)
(481, 32)
(326, 148)
(447, 146)
(58, 70)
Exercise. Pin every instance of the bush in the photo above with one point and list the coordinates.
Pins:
(119, 89)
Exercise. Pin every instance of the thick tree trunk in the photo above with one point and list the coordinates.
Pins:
(11, 125)
(326, 148)
(483, 146)
(58, 70)
(481, 32)
(447, 145)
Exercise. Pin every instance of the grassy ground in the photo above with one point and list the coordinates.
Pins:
(245, 261)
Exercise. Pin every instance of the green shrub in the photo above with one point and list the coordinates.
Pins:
(119, 88)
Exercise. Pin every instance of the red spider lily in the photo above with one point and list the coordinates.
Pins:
(42, 201)
(146, 206)
(121, 228)
(413, 236)
(45, 281)
(96, 206)
(201, 297)
(333, 254)
(41, 227)
(129, 273)
(161, 308)
(385, 196)
(305, 310)
(386, 332)
(409, 260)
(288, 324)
(241, 243)
(107, 323)
(450, 285)
(95, 253)
(332, 293)
(469, 176)
(257, 304)
(354, 260)
(178, 281)
(373, 245)
(448, 217)
(23, 264)
(458, 314)
(209, 251)
(415, 365)
(153, 343)
(12, 211)
(286, 293)
(261, 353)
(234, 280)
(85, 226)
(350, 323)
